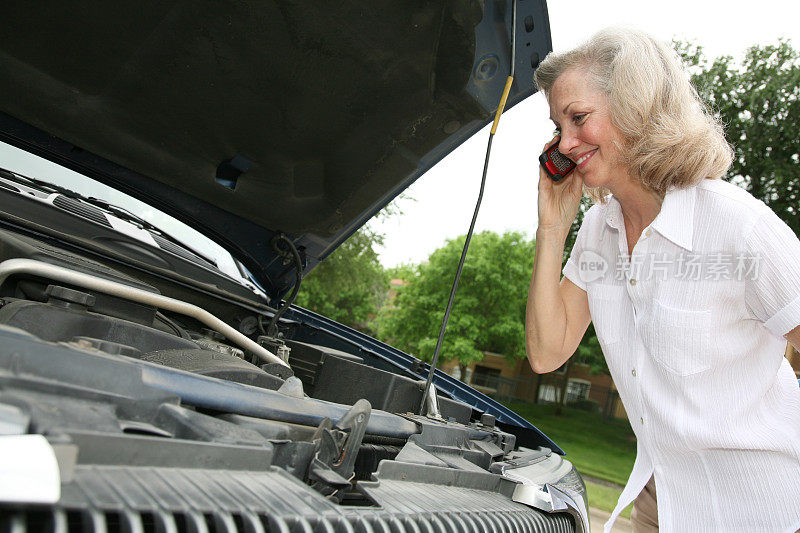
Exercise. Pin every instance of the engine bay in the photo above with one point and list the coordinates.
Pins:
(125, 371)
(126, 330)
(92, 319)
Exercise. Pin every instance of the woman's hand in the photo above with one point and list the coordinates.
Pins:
(558, 201)
(557, 313)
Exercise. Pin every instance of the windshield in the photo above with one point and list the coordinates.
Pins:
(36, 167)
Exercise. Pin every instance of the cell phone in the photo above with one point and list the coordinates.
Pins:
(555, 164)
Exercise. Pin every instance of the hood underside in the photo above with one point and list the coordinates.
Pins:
(244, 119)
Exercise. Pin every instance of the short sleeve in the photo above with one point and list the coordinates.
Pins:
(571, 270)
(772, 276)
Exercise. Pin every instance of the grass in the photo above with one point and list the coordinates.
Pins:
(605, 498)
(600, 448)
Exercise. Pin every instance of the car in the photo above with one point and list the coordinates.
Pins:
(170, 173)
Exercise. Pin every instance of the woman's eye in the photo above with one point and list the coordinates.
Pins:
(577, 119)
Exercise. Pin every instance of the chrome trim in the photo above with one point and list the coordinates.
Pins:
(551, 499)
(120, 290)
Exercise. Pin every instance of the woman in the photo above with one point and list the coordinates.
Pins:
(693, 287)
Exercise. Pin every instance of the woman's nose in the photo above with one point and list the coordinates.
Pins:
(568, 142)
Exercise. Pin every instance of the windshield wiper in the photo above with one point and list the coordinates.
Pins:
(123, 214)
(114, 210)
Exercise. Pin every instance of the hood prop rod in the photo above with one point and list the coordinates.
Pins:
(429, 405)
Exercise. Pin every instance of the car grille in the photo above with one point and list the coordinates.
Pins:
(147, 499)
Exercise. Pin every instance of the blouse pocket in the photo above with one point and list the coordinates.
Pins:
(679, 339)
(604, 309)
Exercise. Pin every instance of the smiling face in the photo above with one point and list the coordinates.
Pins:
(582, 117)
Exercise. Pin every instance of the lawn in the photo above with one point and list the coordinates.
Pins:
(605, 498)
(599, 448)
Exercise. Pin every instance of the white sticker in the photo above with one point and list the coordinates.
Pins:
(28, 470)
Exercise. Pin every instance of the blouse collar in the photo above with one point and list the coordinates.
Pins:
(675, 221)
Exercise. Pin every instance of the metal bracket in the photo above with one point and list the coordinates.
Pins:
(432, 403)
(337, 448)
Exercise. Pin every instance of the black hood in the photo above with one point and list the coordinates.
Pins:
(249, 118)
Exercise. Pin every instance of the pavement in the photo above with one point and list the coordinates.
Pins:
(598, 518)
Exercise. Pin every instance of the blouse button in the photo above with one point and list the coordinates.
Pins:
(648, 232)
(641, 420)
(633, 281)
(633, 372)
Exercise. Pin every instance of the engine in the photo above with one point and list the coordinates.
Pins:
(132, 381)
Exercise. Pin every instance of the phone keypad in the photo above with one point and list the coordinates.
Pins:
(560, 161)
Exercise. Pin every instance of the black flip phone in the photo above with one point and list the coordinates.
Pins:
(555, 164)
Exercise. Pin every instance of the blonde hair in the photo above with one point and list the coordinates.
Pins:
(671, 139)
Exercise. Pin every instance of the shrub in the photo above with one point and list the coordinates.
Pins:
(585, 405)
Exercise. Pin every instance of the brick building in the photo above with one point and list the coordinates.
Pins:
(507, 380)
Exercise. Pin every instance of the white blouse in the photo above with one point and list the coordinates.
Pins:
(692, 328)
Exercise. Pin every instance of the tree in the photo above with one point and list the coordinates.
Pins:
(759, 102)
(350, 285)
(489, 309)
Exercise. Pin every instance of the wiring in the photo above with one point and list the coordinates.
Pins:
(500, 107)
(180, 332)
(292, 253)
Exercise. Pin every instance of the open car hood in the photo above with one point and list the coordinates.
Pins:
(246, 119)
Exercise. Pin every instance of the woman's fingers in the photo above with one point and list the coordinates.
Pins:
(545, 183)
(576, 186)
(543, 177)
(558, 201)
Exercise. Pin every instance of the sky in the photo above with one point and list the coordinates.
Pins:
(441, 202)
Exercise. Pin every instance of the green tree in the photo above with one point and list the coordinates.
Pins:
(590, 353)
(403, 271)
(759, 102)
(489, 309)
(350, 285)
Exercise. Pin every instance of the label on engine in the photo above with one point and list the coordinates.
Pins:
(28, 470)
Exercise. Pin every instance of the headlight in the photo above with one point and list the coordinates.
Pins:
(573, 497)
(550, 484)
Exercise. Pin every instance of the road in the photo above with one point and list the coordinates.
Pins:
(598, 519)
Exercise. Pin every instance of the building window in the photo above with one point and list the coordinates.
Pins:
(578, 389)
(485, 377)
(548, 393)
